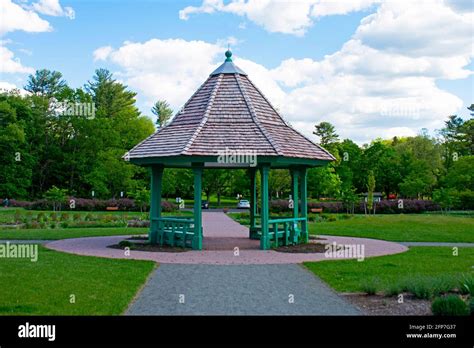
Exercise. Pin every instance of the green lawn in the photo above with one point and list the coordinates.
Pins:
(401, 228)
(417, 262)
(100, 286)
(63, 233)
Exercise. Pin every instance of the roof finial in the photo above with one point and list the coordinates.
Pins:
(228, 54)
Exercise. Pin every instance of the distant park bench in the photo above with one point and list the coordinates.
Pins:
(112, 208)
(317, 210)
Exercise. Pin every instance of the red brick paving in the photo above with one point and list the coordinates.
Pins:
(221, 236)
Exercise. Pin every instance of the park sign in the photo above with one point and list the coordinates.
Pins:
(228, 123)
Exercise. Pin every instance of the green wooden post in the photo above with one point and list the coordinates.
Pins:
(295, 178)
(264, 242)
(197, 239)
(253, 202)
(304, 204)
(155, 201)
(294, 184)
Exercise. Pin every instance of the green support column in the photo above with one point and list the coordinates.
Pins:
(155, 201)
(295, 178)
(264, 242)
(197, 239)
(294, 185)
(304, 204)
(253, 203)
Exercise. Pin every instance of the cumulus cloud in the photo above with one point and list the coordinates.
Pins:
(166, 69)
(15, 17)
(369, 88)
(10, 87)
(53, 8)
(8, 64)
(25, 17)
(289, 17)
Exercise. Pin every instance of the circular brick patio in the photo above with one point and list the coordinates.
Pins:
(225, 242)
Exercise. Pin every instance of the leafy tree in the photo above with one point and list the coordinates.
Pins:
(349, 199)
(15, 162)
(323, 181)
(279, 181)
(163, 113)
(461, 175)
(46, 83)
(326, 133)
(447, 198)
(142, 198)
(56, 196)
(370, 190)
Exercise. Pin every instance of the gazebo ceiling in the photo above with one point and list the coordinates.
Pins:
(227, 114)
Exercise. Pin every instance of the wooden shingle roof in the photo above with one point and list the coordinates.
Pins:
(228, 112)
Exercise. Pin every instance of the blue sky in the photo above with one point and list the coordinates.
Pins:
(373, 68)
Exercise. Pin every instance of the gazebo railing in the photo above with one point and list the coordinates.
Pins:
(281, 231)
(175, 231)
(284, 231)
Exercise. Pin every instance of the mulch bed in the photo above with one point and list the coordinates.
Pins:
(148, 247)
(382, 305)
(302, 248)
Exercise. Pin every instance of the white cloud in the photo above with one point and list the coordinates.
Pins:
(8, 64)
(9, 87)
(14, 17)
(367, 89)
(164, 69)
(424, 28)
(53, 8)
(102, 53)
(283, 16)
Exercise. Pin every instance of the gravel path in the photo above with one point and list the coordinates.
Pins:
(442, 244)
(237, 290)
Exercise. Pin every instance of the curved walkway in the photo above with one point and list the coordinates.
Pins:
(225, 242)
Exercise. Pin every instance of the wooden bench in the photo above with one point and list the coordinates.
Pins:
(112, 208)
(317, 210)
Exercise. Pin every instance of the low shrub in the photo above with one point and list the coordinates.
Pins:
(393, 289)
(471, 305)
(450, 305)
(421, 288)
(466, 285)
(370, 286)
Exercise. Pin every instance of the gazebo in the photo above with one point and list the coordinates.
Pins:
(228, 123)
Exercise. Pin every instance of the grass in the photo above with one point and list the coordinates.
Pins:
(405, 271)
(64, 233)
(401, 228)
(100, 286)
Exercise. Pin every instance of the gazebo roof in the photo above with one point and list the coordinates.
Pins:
(227, 112)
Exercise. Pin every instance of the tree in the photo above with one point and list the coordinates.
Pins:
(46, 83)
(56, 196)
(15, 159)
(326, 133)
(163, 113)
(142, 198)
(454, 140)
(446, 198)
(370, 190)
(323, 181)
